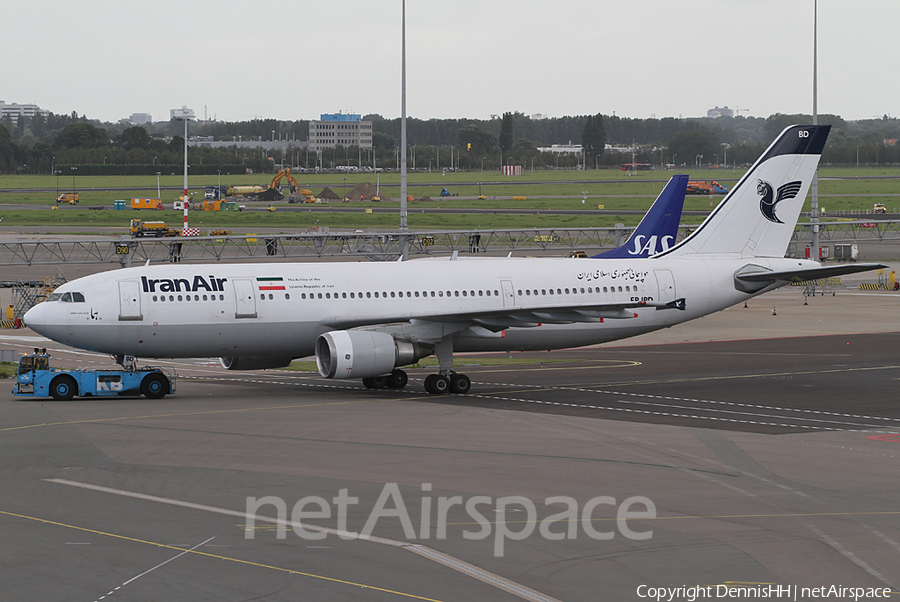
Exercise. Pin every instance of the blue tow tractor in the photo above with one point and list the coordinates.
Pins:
(35, 378)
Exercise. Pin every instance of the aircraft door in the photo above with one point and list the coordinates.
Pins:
(509, 298)
(130, 300)
(245, 299)
(666, 284)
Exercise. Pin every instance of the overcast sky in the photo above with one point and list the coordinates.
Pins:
(465, 58)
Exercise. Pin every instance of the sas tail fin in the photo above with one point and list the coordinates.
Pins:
(758, 216)
(659, 228)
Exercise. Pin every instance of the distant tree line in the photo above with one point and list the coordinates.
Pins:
(45, 143)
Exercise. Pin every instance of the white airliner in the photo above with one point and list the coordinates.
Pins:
(367, 320)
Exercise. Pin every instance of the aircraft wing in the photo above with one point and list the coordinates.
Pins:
(508, 317)
(761, 275)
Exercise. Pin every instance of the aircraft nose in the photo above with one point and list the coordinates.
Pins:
(36, 317)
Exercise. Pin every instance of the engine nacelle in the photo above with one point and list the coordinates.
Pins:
(363, 353)
(254, 363)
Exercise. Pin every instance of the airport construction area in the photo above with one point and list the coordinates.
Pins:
(755, 448)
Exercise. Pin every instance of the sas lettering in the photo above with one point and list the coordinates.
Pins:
(179, 285)
(650, 248)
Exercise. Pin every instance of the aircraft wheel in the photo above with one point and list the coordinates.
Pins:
(375, 382)
(460, 383)
(63, 388)
(155, 386)
(437, 384)
(397, 379)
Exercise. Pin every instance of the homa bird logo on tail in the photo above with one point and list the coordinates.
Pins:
(767, 204)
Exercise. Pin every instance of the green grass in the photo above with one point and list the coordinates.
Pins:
(547, 192)
(8, 369)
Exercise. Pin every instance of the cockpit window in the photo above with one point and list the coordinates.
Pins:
(54, 297)
(77, 297)
(66, 298)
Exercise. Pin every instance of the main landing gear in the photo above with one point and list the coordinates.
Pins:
(445, 381)
(395, 380)
(437, 384)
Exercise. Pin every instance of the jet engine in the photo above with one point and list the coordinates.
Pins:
(254, 363)
(363, 353)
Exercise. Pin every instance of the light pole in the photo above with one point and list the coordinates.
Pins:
(726, 146)
(814, 185)
(219, 189)
(74, 169)
(158, 195)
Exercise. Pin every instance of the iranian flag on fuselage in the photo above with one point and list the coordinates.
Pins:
(270, 284)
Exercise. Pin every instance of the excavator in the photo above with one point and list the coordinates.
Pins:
(284, 172)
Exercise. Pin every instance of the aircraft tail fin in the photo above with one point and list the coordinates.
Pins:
(659, 227)
(758, 216)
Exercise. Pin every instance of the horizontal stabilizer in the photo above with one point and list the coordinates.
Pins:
(808, 274)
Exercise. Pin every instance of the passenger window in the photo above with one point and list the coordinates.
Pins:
(154, 297)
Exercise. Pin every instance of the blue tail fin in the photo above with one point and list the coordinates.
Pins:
(659, 228)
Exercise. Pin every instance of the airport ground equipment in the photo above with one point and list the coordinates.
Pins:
(35, 378)
(140, 228)
(68, 197)
(707, 188)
